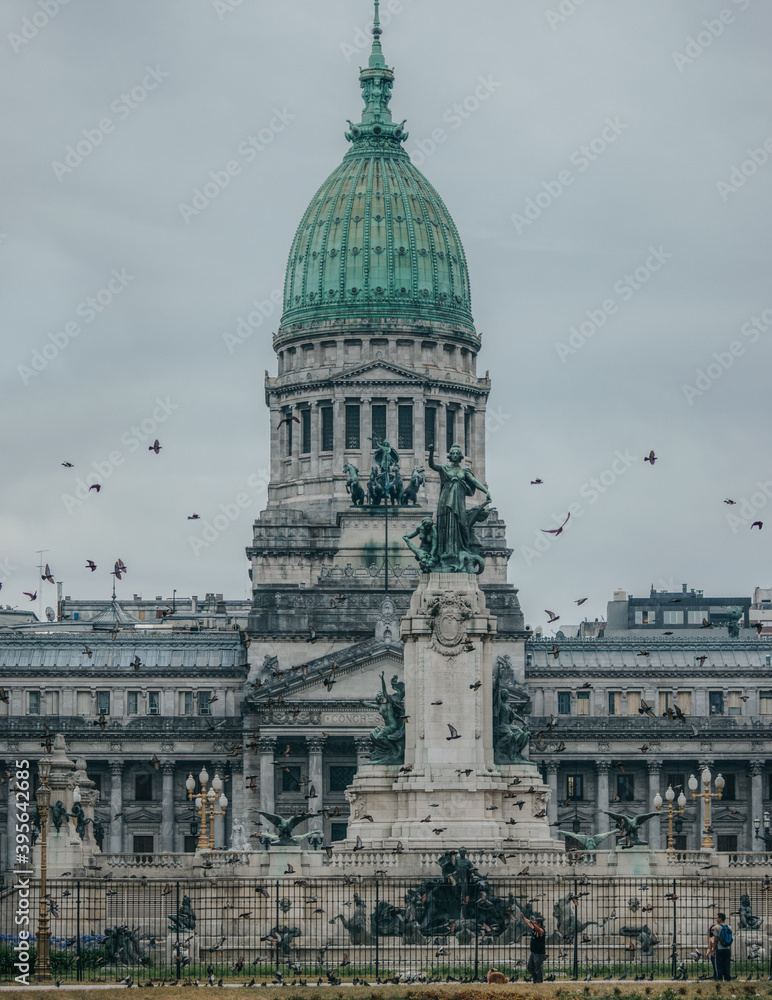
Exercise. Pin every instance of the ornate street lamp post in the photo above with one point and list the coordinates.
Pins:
(767, 835)
(200, 804)
(215, 796)
(671, 811)
(707, 795)
(43, 796)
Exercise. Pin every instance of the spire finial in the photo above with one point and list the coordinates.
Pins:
(376, 57)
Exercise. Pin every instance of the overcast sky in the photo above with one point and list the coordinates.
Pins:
(159, 93)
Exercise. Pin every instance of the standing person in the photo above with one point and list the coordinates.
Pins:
(538, 948)
(710, 954)
(722, 934)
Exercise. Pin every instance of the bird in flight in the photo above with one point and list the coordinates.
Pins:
(651, 457)
(555, 651)
(289, 420)
(552, 616)
(155, 446)
(68, 465)
(646, 709)
(90, 564)
(48, 575)
(454, 733)
(96, 486)
(757, 524)
(120, 569)
(537, 482)
(581, 601)
(557, 531)
(730, 502)
(32, 597)
(88, 651)
(194, 517)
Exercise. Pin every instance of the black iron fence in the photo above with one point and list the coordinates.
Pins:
(376, 928)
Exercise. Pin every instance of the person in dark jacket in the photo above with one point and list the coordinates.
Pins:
(538, 948)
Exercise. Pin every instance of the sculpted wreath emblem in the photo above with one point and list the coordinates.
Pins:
(448, 615)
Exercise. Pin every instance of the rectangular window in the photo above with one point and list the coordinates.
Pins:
(305, 431)
(143, 787)
(765, 702)
(103, 702)
(341, 777)
(574, 786)
(83, 702)
(430, 426)
(378, 416)
(726, 842)
(665, 701)
(338, 831)
(679, 841)
(734, 699)
(625, 787)
(405, 427)
(613, 702)
(290, 777)
(52, 702)
(186, 703)
(143, 843)
(450, 429)
(33, 703)
(696, 617)
(204, 706)
(352, 426)
(730, 787)
(132, 703)
(290, 418)
(672, 617)
(633, 702)
(327, 431)
(97, 779)
(583, 703)
(715, 703)
(564, 702)
(154, 703)
(467, 431)
(189, 844)
(646, 617)
(685, 702)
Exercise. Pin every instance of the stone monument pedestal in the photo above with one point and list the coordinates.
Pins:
(449, 791)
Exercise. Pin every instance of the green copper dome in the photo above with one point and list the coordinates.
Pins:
(377, 240)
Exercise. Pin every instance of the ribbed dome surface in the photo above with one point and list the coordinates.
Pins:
(377, 241)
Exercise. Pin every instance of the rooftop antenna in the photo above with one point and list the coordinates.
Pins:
(41, 567)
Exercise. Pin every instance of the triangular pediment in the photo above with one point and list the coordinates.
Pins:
(356, 675)
(379, 371)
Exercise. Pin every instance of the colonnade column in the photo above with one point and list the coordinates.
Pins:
(338, 435)
(167, 812)
(602, 768)
(266, 749)
(316, 437)
(315, 746)
(654, 828)
(392, 434)
(116, 806)
(365, 444)
(364, 748)
(275, 444)
(757, 806)
(552, 781)
(478, 436)
(439, 433)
